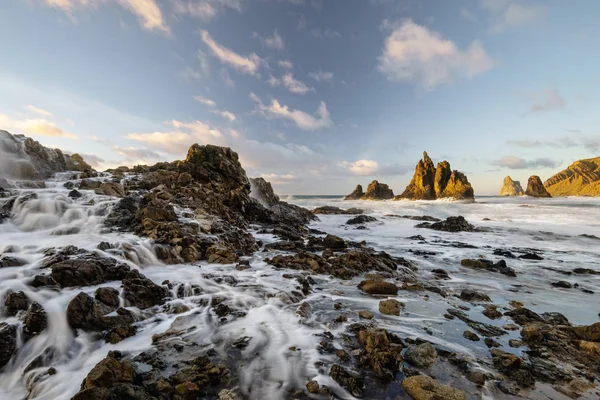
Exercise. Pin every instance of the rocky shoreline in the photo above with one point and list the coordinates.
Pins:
(235, 263)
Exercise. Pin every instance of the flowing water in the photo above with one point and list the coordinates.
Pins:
(282, 351)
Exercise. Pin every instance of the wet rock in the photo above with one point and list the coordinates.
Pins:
(221, 255)
(312, 386)
(108, 296)
(484, 329)
(381, 351)
(491, 311)
(390, 307)
(440, 273)
(110, 189)
(515, 343)
(535, 187)
(141, 292)
(83, 312)
(471, 295)
(450, 224)
(356, 194)
(120, 333)
(331, 210)
(488, 265)
(471, 336)
(422, 355)
(88, 270)
(562, 284)
(123, 213)
(589, 333)
(378, 287)
(263, 192)
(422, 387)
(35, 319)
(201, 374)
(8, 261)
(15, 302)
(334, 242)
(351, 382)
(8, 342)
(427, 218)
(513, 367)
(43, 280)
(378, 191)
(361, 219)
(364, 314)
(531, 256)
(75, 194)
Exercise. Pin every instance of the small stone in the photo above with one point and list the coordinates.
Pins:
(390, 307)
(378, 287)
(471, 336)
(365, 314)
(422, 355)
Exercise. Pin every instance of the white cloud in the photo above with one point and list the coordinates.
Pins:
(205, 9)
(39, 111)
(225, 114)
(504, 14)
(414, 53)
(279, 179)
(513, 162)
(361, 167)
(272, 81)
(136, 154)
(230, 83)
(147, 12)
(549, 100)
(244, 64)
(303, 120)
(205, 101)
(34, 127)
(274, 42)
(286, 64)
(294, 85)
(321, 76)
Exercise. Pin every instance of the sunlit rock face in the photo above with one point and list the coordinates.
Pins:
(582, 178)
(378, 191)
(511, 188)
(23, 158)
(431, 183)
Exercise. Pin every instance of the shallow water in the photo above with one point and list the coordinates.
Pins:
(282, 352)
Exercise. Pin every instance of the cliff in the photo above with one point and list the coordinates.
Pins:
(23, 158)
(511, 188)
(431, 183)
(582, 178)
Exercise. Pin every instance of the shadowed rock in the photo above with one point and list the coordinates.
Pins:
(356, 194)
(535, 188)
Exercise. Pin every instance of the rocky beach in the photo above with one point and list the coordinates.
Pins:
(190, 280)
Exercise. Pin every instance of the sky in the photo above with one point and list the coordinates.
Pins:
(316, 96)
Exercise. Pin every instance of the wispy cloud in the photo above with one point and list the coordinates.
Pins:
(205, 101)
(205, 9)
(40, 111)
(414, 53)
(274, 42)
(295, 86)
(148, 13)
(285, 64)
(244, 64)
(575, 138)
(549, 100)
(303, 120)
(513, 162)
(321, 76)
(505, 14)
(225, 114)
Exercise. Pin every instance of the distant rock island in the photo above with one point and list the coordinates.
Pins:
(375, 191)
(511, 188)
(535, 187)
(431, 183)
(582, 178)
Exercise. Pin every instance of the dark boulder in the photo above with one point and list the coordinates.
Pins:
(15, 302)
(535, 187)
(450, 224)
(351, 382)
(88, 270)
(357, 194)
(361, 219)
(333, 242)
(141, 292)
(83, 312)
(36, 319)
(108, 296)
(8, 342)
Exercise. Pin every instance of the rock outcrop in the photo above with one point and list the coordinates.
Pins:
(378, 191)
(356, 194)
(511, 188)
(582, 178)
(535, 187)
(431, 183)
(23, 158)
(375, 191)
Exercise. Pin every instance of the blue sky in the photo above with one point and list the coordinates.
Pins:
(315, 96)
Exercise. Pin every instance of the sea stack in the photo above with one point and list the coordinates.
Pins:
(535, 187)
(378, 191)
(511, 188)
(356, 194)
(582, 178)
(431, 183)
